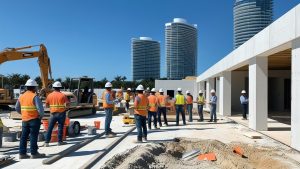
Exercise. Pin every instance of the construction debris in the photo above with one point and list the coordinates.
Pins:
(253, 135)
(208, 157)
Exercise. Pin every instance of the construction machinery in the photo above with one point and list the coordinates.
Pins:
(12, 54)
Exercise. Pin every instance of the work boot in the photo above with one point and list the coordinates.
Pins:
(23, 156)
(215, 120)
(112, 133)
(139, 140)
(145, 139)
(37, 155)
(210, 121)
(46, 144)
(166, 124)
(60, 143)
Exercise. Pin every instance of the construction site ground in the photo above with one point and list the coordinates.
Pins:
(218, 138)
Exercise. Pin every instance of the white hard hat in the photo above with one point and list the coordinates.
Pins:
(148, 89)
(128, 89)
(187, 91)
(244, 91)
(161, 90)
(153, 90)
(213, 91)
(200, 91)
(179, 89)
(108, 84)
(57, 84)
(31, 82)
(140, 88)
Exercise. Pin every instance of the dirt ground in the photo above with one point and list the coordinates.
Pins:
(169, 155)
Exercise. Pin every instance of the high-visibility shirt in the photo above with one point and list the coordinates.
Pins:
(201, 100)
(179, 99)
(152, 103)
(141, 104)
(189, 99)
(127, 97)
(105, 104)
(161, 100)
(57, 102)
(28, 108)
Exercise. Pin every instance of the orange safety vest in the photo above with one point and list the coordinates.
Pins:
(57, 102)
(152, 103)
(141, 108)
(189, 99)
(28, 108)
(105, 105)
(162, 100)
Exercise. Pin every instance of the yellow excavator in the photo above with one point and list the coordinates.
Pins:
(81, 93)
(12, 54)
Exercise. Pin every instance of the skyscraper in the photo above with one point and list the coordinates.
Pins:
(250, 17)
(145, 54)
(181, 49)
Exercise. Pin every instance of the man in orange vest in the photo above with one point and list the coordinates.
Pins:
(108, 105)
(58, 103)
(162, 107)
(152, 99)
(31, 108)
(140, 114)
(189, 105)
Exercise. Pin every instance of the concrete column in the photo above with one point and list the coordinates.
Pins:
(210, 84)
(258, 93)
(225, 94)
(295, 114)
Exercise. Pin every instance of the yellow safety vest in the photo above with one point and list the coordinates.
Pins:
(179, 99)
(201, 100)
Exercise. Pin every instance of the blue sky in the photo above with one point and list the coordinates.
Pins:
(92, 37)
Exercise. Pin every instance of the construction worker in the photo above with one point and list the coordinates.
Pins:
(152, 99)
(180, 104)
(201, 102)
(140, 114)
(58, 102)
(244, 102)
(189, 105)
(147, 92)
(162, 107)
(127, 98)
(213, 106)
(31, 108)
(108, 105)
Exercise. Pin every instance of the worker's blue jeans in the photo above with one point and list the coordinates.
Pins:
(245, 110)
(141, 127)
(30, 128)
(60, 119)
(213, 112)
(162, 110)
(189, 108)
(150, 115)
(108, 118)
(180, 109)
(200, 111)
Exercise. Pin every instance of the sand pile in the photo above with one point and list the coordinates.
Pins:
(169, 155)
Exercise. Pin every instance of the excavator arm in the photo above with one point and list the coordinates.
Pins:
(11, 54)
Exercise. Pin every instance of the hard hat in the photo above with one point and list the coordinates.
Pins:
(161, 90)
(31, 82)
(200, 91)
(187, 91)
(57, 84)
(153, 90)
(148, 89)
(140, 88)
(128, 89)
(244, 92)
(108, 84)
(213, 91)
(179, 89)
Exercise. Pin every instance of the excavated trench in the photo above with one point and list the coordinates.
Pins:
(169, 155)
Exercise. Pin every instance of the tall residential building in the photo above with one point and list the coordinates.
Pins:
(250, 17)
(181, 49)
(145, 54)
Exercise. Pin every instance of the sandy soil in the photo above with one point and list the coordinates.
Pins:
(169, 155)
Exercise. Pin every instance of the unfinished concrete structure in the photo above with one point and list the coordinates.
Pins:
(268, 67)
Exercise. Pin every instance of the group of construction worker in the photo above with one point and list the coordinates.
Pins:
(30, 106)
